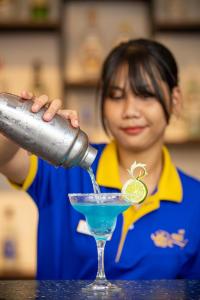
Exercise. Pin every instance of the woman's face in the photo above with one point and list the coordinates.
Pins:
(135, 122)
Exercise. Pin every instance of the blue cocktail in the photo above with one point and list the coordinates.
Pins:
(101, 211)
(101, 218)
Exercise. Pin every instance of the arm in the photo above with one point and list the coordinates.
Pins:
(15, 161)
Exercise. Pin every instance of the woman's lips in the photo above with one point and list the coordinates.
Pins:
(133, 130)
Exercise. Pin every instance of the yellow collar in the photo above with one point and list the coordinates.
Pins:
(108, 169)
(169, 187)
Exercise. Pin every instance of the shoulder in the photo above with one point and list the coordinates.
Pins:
(191, 190)
(47, 172)
(189, 181)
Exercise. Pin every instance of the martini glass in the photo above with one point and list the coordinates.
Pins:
(101, 211)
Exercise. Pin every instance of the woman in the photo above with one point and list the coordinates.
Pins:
(139, 92)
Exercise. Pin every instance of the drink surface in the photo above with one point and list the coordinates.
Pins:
(101, 217)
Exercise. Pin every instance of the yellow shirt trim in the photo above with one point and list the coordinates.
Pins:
(32, 172)
(169, 187)
(31, 175)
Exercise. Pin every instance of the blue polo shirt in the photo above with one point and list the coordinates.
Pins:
(160, 240)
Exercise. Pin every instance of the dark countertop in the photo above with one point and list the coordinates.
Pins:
(137, 290)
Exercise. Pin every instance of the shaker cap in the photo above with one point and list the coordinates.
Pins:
(88, 158)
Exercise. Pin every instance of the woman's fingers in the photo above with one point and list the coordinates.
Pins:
(39, 102)
(71, 115)
(26, 95)
(53, 109)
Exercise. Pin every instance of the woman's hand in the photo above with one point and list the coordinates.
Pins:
(53, 108)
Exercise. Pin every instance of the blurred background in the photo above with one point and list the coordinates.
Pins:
(57, 47)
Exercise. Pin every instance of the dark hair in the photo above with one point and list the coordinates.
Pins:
(146, 60)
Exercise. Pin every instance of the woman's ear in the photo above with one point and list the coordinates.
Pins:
(177, 101)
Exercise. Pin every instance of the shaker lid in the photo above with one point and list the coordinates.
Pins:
(88, 158)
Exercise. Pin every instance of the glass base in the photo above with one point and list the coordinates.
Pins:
(101, 285)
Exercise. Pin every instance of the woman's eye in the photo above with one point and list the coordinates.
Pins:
(116, 95)
(147, 96)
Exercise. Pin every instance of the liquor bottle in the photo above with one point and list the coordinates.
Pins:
(39, 10)
(38, 85)
(125, 33)
(91, 49)
(7, 9)
(193, 108)
(9, 245)
(177, 9)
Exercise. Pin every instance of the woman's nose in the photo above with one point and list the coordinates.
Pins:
(131, 108)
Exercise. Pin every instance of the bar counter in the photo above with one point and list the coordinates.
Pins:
(138, 290)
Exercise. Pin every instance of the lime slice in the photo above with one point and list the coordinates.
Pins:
(137, 189)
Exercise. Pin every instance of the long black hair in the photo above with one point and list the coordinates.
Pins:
(147, 60)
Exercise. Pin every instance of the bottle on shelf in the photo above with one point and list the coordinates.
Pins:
(170, 10)
(7, 9)
(91, 48)
(125, 33)
(38, 86)
(192, 111)
(9, 245)
(39, 10)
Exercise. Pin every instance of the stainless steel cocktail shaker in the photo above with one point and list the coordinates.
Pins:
(55, 141)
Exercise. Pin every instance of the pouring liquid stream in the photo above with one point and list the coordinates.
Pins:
(96, 187)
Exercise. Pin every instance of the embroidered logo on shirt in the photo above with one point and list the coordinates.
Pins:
(164, 239)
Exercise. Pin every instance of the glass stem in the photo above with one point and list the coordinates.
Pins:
(100, 249)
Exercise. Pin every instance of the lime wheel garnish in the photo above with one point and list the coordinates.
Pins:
(135, 190)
